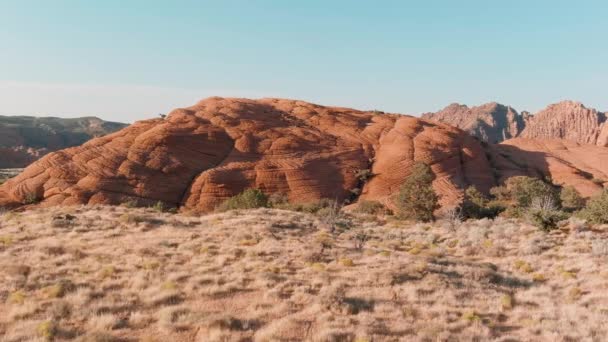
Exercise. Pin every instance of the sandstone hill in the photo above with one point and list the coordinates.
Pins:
(24, 139)
(201, 155)
(495, 123)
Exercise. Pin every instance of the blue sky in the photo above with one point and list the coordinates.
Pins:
(127, 60)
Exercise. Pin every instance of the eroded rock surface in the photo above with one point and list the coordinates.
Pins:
(491, 122)
(199, 156)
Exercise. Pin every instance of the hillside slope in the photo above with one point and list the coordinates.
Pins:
(24, 139)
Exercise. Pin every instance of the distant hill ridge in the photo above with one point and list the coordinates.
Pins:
(24, 139)
(494, 122)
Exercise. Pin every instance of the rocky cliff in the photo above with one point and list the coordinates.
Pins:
(495, 123)
(571, 121)
(491, 122)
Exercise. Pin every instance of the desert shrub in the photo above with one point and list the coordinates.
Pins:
(132, 203)
(363, 175)
(333, 217)
(514, 212)
(523, 190)
(416, 199)
(278, 200)
(31, 198)
(500, 193)
(372, 208)
(310, 207)
(596, 210)
(571, 199)
(162, 207)
(453, 216)
(544, 213)
(477, 206)
(248, 199)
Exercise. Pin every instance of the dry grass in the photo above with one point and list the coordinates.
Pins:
(126, 274)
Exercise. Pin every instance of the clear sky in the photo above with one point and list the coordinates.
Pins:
(127, 59)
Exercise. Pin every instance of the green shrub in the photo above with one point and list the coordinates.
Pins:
(310, 207)
(372, 208)
(523, 190)
(248, 199)
(416, 199)
(475, 205)
(571, 199)
(596, 210)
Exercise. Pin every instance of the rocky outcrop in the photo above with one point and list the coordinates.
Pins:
(491, 122)
(495, 123)
(571, 121)
(24, 139)
(201, 155)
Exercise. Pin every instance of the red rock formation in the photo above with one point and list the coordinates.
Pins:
(495, 123)
(491, 122)
(565, 162)
(571, 121)
(203, 154)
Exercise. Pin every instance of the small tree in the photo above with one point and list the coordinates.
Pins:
(417, 199)
(248, 199)
(571, 199)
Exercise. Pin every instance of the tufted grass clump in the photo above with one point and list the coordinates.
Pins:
(47, 330)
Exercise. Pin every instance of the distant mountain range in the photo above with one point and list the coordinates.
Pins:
(494, 122)
(24, 139)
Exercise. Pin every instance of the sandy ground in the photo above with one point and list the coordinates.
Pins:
(121, 274)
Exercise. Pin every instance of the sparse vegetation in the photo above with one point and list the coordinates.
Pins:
(596, 210)
(476, 205)
(31, 198)
(571, 199)
(372, 208)
(416, 199)
(248, 199)
(270, 271)
(543, 213)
